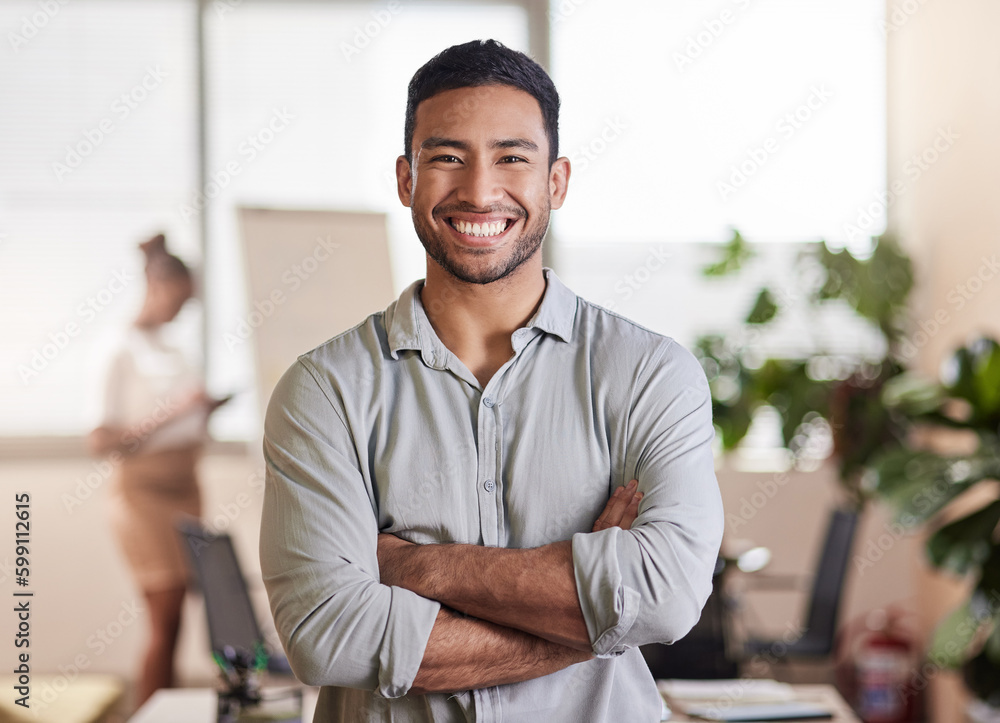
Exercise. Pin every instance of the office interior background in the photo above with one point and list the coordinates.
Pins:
(791, 122)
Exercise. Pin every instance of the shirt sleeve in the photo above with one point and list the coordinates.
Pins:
(318, 548)
(649, 584)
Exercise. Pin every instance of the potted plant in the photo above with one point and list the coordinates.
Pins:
(920, 480)
(844, 393)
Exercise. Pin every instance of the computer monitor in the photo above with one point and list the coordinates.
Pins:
(232, 626)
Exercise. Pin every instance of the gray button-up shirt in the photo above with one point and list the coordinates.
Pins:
(383, 429)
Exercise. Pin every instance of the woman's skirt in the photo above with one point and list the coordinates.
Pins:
(149, 494)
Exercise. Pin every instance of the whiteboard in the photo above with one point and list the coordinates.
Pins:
(310, 276)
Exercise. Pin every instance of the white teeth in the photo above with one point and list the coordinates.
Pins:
(479, 229)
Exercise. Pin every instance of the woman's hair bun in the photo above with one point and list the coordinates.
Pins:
(160, 263)
(155, 246)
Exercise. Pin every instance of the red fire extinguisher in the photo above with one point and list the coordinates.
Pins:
(884, 659)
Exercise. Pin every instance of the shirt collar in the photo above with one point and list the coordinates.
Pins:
(407, 325)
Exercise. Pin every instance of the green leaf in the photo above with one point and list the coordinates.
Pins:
(877, 287)
(912, 395)
(987, 378)
(967, 542)
(764, 308)
(954, 636)
(735, 253)
(919, 484)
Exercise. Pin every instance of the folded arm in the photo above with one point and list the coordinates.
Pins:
(340, 623)
(533, 590)
(466, 653)
(617, 586)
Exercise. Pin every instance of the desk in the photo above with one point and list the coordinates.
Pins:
(198, 705)
(825, 695)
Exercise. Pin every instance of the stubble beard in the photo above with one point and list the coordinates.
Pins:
(524, 248)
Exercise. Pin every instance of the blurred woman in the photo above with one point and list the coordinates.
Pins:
(155, 413)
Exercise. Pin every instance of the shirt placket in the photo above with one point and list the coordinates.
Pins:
(488, 479)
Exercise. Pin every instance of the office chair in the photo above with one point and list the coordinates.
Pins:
(817, 638)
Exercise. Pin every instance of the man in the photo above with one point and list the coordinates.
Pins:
(429, 542)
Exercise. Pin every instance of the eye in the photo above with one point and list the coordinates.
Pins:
(445, 159)
(513, 159)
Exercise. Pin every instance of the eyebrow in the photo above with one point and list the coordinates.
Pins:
(439, 142)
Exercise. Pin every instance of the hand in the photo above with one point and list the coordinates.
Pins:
(392, 559)
(622, 508)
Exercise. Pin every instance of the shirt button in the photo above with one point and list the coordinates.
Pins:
(488, 401)
(489, 485)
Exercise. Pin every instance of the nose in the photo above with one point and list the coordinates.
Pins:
(480, 185)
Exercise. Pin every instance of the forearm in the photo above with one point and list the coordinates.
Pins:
(466, 653)
(532, 590)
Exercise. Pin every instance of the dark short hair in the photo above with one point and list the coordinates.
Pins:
(477, 63)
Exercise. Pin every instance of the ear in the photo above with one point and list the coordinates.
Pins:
(559, 181)
(404, 181)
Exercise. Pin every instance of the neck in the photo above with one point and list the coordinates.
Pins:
(475, 321)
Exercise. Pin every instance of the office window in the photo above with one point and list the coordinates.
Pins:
(98, 136)
(686, 118)
(97, 141)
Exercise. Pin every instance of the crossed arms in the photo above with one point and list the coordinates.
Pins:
(526, 619)
(356, 610)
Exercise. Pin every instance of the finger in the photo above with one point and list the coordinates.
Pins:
(615, 507)
(601, 521)
(617, 511)
(631, 512)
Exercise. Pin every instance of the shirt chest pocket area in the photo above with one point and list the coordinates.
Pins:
(425, 488)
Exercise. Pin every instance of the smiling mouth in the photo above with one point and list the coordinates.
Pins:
(494, 228)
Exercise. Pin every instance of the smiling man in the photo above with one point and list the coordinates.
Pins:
(429, 542)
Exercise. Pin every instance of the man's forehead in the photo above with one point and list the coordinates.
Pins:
(455, 105)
